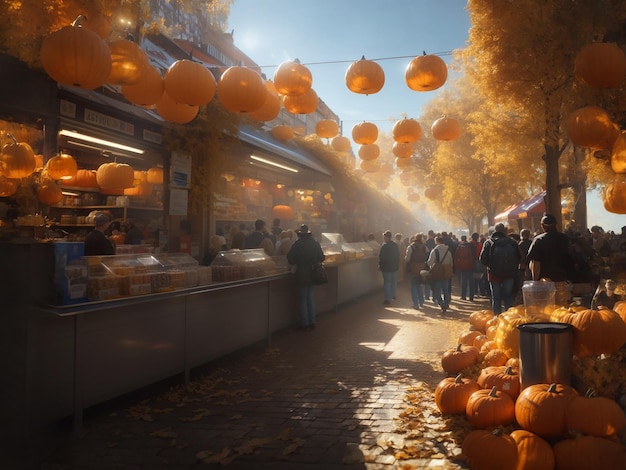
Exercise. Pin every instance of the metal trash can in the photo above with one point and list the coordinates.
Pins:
(545, 353)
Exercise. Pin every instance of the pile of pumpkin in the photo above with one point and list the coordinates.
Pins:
(544, 426)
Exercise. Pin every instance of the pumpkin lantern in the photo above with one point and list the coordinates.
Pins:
(76, 56)
(241, 90)
(369, 152)
(282, 212)
(305, 103)
(446, 128)
(128, 62)
(172, 111)
(188, 82)
(426, 73)
(282, 132)
(291, 78)
(591, 127)
(18, 158)
(341, 144)
(365, 133)
(148, 90)
(62, 167)
(365, 77)
(614, 197)
(115, 176)
(271, 105)
(600, 65)
(407, 131)
(326, 128)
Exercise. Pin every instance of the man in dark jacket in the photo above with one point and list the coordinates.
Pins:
(304, 254)
(388, 264)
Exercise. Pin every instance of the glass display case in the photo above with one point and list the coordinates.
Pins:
(235, 265)
(332, 247)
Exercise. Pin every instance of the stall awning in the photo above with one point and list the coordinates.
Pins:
(534, 206)
(265, 141)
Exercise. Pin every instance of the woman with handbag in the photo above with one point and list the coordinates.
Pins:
(415, 258)
(305, 254)
(440, 264)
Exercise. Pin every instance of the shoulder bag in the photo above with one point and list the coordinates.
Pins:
(440, 271)
(318, 274)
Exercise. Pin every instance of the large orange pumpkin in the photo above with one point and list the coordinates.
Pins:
(596, 332)
(365, 133)
(115, 176)
(241, 90)
(407, 131)
(365, 77)
(592, 127)
(446, 128)
(369, 152)
(533, 453)
(595, 416)
(62, 167)
(490, 450)
(455, 360)
(148, 90)
(282, 132)
(614, 197)
(589, 453)
(600, 65)
(76, 56)
(305, 103)
(326, 128)
(341, 144)
(154, 175)
(542, 409)
(292, 78)
(426, 73)
(402, 150)
(18, 158)
(490, 407)
(502, 377)
(452, 393)
(271, 106)
(83, 179)
(188, 82)
(172, 111)
(128, 62)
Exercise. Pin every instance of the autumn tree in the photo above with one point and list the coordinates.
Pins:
(521, 54)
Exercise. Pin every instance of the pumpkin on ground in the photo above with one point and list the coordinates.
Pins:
(452, 393)
(455, 360)
(533, 452)
(542, 409)
(495, 357)
(596, 332)
(589, 453)
(503, 377)
(479, 341)
(479, 319)
(487, 408)
(490, 450)
(467, 337)
(596, 416)
(620, 309)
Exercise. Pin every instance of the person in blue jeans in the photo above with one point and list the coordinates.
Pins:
(441, 254)
(388, 264)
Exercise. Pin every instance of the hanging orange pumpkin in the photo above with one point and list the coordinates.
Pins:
(446, 128)
(115, 176)
(292, 78)
(62, 167)
(326, 128)
(188, 82)
(365, 77)
(8, 187)
(365, 133)
(305, 103)
(148, 90)
(341, 144)
(282, 132)
(172, 111)
(128, 62)
(402, 150)
(99, 23)
(433, 192)
(591, 127)
(155, 175)
(403, 162)
(618, 154)
(49, 192)
(271, 106)
(282, 212)
(76, 56)
(241, 90)
(369, 152)
(407, 131)
(19, 159)
(426, 73)
(600, 65)
(614, 197)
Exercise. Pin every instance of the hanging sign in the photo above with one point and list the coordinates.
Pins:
(181, 171)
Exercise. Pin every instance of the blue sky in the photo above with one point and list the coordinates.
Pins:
(342, 31)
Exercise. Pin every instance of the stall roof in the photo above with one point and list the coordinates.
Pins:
(531, 207)
(265, 141)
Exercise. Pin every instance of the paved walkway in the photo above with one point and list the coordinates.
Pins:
(341, 396)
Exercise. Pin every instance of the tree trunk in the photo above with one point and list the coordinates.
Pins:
(553, 189)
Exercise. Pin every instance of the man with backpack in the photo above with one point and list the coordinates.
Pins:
(501, 255)
(464, 258)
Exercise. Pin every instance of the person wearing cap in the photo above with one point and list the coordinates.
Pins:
(549, 253)
(607, 298)
(96, 242)
(304, 254)
(388, 264)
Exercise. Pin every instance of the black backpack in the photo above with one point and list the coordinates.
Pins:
(503, 258)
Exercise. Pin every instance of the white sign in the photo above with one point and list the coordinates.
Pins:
(181, 171)
(178, 201)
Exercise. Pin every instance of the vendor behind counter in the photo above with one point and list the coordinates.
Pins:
(96, 242)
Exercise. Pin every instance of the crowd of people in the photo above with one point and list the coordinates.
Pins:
(496, 264)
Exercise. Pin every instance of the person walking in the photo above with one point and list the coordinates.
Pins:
(401, 249)
(415, 258)
(501, 255)
(388, 264)
(304, 254)
(464, 257)
(430, 244)
(523, 272)
(441, 254)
